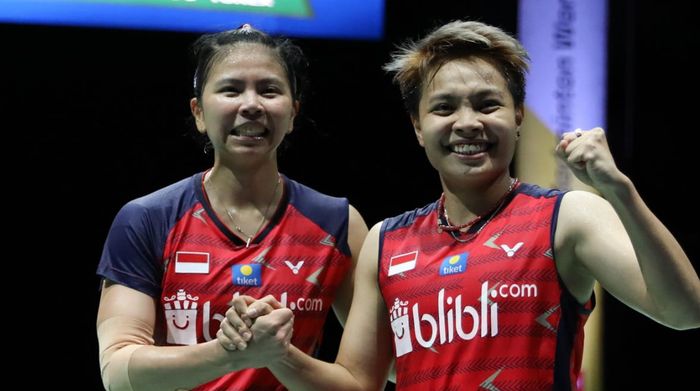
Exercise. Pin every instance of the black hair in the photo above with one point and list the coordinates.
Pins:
(209, 48)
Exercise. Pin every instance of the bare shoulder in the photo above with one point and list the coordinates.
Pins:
(373, 236)
(376, 227)
(581, 213)
(583, 216)
(578, 199)
(579, 209)
(355, 218)
(354, 213)
(374, 232)
(370, 249)
(357, 230)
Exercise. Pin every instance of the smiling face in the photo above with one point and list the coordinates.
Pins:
(467, 120)
(246, 107)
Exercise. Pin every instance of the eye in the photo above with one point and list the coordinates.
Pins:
(229, 91)
(489, 106)
(442, 108)
(271, 91)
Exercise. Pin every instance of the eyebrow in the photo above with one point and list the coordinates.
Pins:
(233, 80)
(481, 94)
(489, 91)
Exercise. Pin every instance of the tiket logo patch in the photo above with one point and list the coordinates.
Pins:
(454, 264)
(247, 274)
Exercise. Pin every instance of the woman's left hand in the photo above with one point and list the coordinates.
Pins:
(587, 153)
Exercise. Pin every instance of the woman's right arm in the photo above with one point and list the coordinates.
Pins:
(365, 352)
(130, 361)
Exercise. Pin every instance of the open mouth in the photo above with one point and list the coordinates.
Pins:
(469, 149)
(250, 130)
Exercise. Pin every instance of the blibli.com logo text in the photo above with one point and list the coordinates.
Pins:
(301, 304)
(454, 320)
(182, 320)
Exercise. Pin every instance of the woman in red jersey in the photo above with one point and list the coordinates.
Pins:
(174, 259)
(489, 286)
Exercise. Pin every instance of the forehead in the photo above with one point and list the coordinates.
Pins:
(472, 74)
(248, 57)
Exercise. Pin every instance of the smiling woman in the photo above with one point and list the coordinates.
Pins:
(180, 254)
(495, 295)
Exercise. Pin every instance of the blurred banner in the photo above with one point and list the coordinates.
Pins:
(567, 43)
(356, 19)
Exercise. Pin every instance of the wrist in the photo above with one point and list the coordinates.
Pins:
(228, 360)
(621, 189)
(289, 361)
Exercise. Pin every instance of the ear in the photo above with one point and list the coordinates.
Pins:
(519, 115)
(417, 129)
(198, 115)
(296, 107)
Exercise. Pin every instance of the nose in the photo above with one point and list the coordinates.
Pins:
(250, 105)
(467, 121)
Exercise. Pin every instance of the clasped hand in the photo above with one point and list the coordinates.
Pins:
(262, 328)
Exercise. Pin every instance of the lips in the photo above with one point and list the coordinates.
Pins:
(249, 129)
(469, 148)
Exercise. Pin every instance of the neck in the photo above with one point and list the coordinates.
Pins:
(229, 189)
(467, 202)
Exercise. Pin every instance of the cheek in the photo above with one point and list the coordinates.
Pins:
(213, 118)
(282, 113)
(435, 128)
(217, 109)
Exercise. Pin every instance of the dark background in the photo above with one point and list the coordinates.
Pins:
(97, 117)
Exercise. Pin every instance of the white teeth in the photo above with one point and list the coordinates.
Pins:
(249, 130)
(468, 149)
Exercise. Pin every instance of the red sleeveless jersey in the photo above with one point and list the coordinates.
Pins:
(173, 247)
(484, 310)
